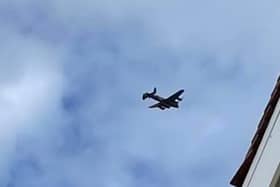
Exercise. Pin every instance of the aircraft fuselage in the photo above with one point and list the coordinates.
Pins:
(163, 101)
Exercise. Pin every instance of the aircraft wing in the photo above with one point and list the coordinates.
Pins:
(158, 105)
(175, 96)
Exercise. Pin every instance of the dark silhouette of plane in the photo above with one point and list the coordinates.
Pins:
(164, 103)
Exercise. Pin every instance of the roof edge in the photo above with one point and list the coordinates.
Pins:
(239, 177)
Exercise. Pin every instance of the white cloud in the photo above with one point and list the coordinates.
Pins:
(31, 85)
(236, 38)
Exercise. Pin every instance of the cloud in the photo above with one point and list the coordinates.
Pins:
(31, 85)
(71, 79)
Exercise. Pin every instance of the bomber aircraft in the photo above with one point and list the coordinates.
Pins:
(164, 103)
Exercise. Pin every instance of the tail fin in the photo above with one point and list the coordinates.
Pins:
(146, 95)
(154, 91)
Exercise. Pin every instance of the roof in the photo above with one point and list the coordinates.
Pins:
(239, 177)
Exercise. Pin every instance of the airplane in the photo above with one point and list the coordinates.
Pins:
(163, 103)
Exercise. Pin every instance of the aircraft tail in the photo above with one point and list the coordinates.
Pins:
(146, 95)
(154, 91)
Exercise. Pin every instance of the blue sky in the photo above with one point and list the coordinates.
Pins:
(72, 77)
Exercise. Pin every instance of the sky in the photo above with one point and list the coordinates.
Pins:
(72, 75)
